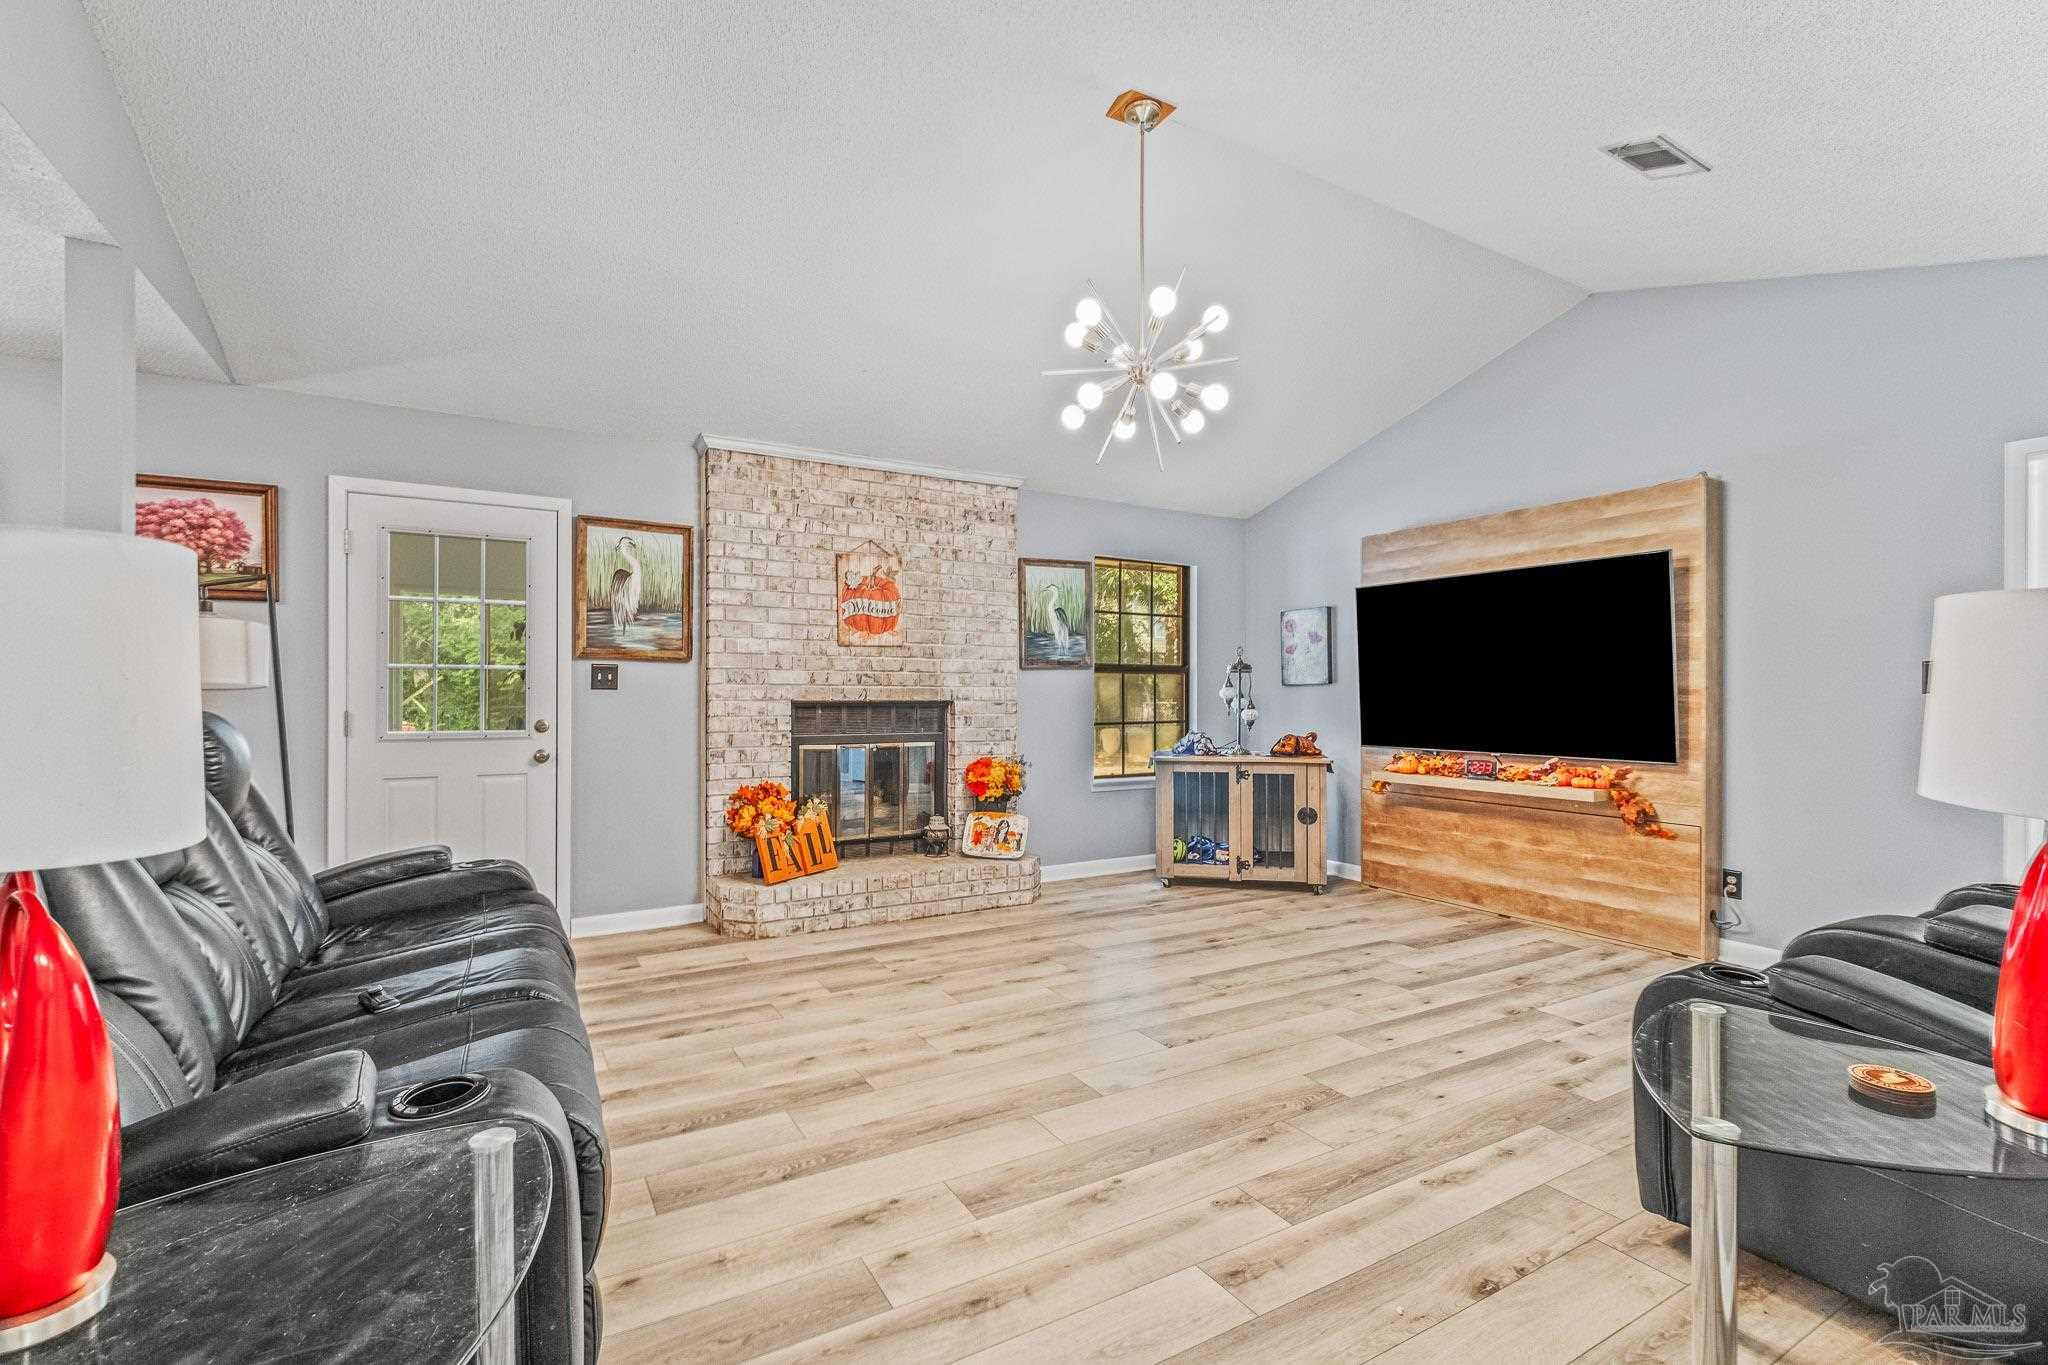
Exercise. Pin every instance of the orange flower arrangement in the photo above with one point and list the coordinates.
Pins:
(1637, 812)
(762, 808)
(989, 778)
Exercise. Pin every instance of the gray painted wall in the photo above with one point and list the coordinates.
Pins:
(634, 751)
(1072, 818)
(1857, 422)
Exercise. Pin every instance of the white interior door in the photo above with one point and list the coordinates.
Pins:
(449, 732)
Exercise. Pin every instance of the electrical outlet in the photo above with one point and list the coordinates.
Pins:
(604, 677)
(1731, 883)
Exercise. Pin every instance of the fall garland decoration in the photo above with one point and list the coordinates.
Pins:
(1636, 810)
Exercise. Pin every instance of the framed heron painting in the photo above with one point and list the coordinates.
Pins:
(633, 589)
(1055, 612)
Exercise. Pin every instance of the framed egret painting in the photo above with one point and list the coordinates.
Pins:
(1305, 658)
(633, 588)
(1055, 613)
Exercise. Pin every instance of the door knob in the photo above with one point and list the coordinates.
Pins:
(540, 727)
(541, 755)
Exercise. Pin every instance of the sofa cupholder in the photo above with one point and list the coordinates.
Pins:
(432, 1099)
(1737, 976)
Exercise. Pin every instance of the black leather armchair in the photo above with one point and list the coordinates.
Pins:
(1836, 1223)
(260, 1012)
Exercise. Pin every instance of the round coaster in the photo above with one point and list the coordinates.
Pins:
(1891, 1084)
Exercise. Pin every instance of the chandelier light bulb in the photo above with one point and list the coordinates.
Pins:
(1126, 427)
(1076, 333)
(1121, 355)
(1071, 417)
(1214, 318)
(1163, 385)
(1089, 396)
(1088, 312)
(1191, 350)
(1193, 423)
(1215, 397)
(1163, 300)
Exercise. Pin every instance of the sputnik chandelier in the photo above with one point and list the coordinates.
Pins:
(1143, 371)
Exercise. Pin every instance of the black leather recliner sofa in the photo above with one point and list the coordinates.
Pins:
(260, 1012)
(1925, 980)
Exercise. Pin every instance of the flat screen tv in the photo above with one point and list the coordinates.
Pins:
(1573, 660)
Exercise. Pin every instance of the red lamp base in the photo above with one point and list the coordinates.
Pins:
(2019, 1028)
(60, 1122)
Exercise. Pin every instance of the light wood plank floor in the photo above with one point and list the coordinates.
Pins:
(1138, 1124)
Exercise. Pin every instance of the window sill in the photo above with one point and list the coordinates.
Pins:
(1111, 784)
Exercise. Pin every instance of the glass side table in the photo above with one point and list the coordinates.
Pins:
(408, 1248)
(1737, 1077)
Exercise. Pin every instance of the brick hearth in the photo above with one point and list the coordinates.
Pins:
(867, 891)
(772, 526)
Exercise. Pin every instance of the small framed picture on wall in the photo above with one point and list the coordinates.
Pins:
(1055, 613)
(1306, 659)
(232, 527)
(633, 590)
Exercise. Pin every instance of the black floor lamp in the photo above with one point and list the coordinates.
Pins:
(229, 659)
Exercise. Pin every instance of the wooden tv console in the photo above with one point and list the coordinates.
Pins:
(1535, 854)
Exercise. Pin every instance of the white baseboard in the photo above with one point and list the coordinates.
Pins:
(1348, 871)
(626, 921)
(1099, 867)
(1754, 956)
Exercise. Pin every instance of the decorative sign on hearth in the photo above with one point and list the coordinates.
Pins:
(870, 596)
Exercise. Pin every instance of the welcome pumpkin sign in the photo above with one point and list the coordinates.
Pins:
(870, 596)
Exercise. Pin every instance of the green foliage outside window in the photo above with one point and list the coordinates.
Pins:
(1141, 667)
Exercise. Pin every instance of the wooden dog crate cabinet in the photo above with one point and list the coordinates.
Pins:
(1265, 815)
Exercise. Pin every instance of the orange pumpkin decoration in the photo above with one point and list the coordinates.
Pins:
(872, 606)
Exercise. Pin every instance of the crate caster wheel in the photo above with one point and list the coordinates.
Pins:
(1166, 882)
(1323, 890)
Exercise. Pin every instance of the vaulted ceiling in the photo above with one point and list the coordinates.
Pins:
(861, 227)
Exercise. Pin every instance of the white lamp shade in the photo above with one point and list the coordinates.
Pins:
(99, 699)
(1984, 733)
(233, 654)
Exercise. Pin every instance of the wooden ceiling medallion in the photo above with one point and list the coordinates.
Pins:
(1128, 108)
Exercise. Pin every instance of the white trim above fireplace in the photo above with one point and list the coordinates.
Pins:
(747, 446)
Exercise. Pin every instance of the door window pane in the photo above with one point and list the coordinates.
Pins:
(458, 702)
(412, 565)
(460, 640)
(506, 699)
(410, 639)
(462, 566)
(508, 633)
(505, 570)
(410, 695)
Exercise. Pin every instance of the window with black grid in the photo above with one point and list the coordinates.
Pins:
(1141, 663)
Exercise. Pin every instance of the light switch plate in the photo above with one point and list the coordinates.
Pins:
(604, 677)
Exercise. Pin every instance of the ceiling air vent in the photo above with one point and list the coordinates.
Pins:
(1656, 157)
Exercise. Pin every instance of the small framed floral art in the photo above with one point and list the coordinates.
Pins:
(1306, 659)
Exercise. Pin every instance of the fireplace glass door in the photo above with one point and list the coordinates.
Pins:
(873, 791)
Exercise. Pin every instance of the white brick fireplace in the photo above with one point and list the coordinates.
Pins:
(774, 519)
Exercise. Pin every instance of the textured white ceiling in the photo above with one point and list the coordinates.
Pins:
(37, 212)
(860, 227)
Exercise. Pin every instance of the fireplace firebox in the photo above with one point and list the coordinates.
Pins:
(879, 766)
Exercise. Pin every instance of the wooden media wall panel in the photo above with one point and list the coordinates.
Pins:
(1574, 866)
